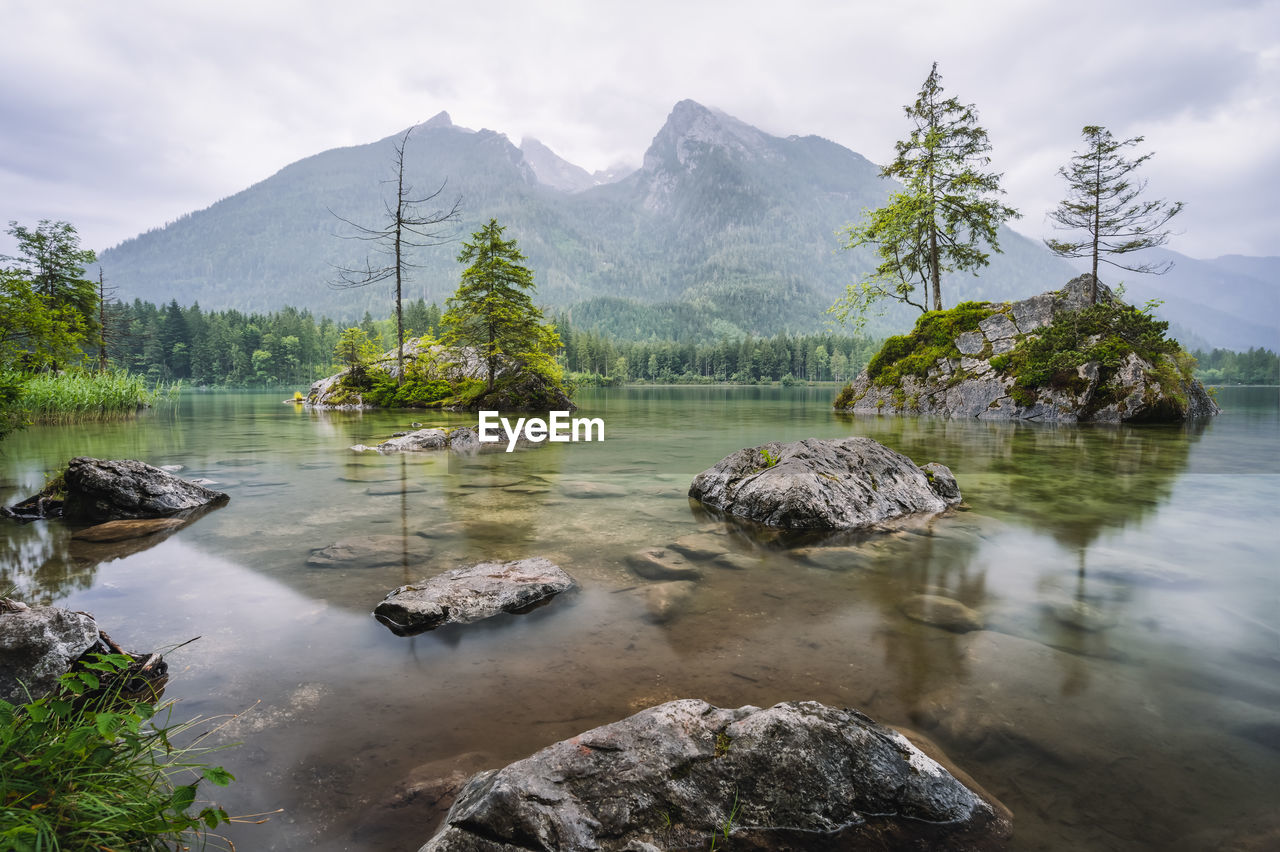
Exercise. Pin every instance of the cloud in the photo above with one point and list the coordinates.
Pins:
(150, 109)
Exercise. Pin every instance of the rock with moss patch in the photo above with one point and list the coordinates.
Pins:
(798, 775)
(1052, 357)
(819, 484)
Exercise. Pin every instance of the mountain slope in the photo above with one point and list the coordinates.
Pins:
(725, 229)
(1231, 302)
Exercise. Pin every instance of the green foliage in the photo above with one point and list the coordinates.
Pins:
(83, 396)
(1105, 333)
(846, 398)
(416, 391)
(90, 768)
(932, 338)
(1103, 202)
(36, 331)
(11, 416)
(493, 311)
(949, 206)
(770, 460)
(354, 352)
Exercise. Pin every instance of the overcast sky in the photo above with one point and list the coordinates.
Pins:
(121, 116)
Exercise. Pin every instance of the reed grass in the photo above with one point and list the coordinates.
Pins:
(76, 397)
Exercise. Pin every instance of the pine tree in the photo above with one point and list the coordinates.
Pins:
(947, 209)
(493, 308)
(1103, 201)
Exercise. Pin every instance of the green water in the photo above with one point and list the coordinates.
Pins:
(1158, 727)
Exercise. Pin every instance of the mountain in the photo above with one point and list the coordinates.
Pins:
(1231, 302)
(553, 171)
(724, 229)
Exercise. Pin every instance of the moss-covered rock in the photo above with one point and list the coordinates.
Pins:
(436, 376)
(1053, 357)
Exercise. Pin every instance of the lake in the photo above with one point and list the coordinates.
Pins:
(1125, 694)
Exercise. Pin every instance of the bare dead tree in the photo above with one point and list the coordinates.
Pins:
(407, 226)
(105, 332)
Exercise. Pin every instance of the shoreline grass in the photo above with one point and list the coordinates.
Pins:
(78, 397)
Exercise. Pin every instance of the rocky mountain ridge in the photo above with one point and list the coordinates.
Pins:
(725, 229)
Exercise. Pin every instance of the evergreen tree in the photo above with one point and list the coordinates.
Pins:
(947, 209)
(1103, 201)
(493, 308)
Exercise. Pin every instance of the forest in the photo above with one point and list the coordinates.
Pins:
(293, 347)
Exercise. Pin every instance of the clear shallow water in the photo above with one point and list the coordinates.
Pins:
(1157, 729)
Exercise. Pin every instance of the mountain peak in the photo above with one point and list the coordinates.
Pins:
(692, 128)
(440, 119)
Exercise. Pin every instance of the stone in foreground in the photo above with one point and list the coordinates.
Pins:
(799, 776)
(106, 490)
(38, 645)
(472, 593)
(823, 484)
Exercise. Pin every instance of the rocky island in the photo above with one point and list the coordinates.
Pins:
(1052, 357)
(437, 376)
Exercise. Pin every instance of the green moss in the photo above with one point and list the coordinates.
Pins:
(1022, 396)
(933, 337)
(1106, 334)
(723, 742)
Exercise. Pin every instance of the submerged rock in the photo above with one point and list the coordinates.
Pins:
(656, 563)
(823, 484)
(125, 530)
(799, 775)
(471, 593)
(944, 612)
(369, 551)
(667, 600)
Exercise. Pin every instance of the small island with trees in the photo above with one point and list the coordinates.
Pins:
(495, 350)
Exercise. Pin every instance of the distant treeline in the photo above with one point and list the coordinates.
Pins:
(234, 349)
(592, 358)
(293, 347)
(1224, 367)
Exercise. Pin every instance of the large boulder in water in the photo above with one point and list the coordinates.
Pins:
(100, 490)
(799, 776)
(107, 490)
(472, 593)
(819, 484)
